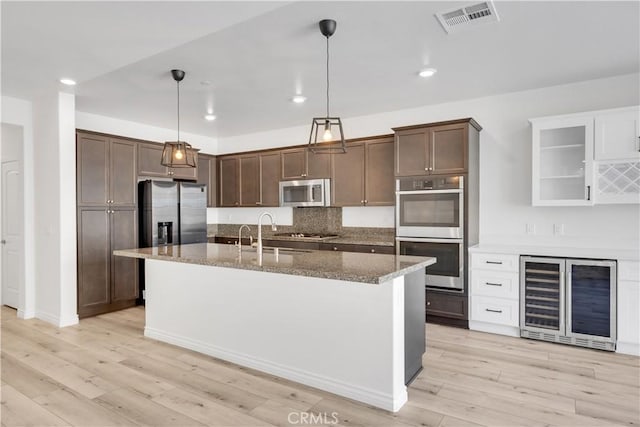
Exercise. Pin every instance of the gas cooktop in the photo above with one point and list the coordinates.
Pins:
(310, 236)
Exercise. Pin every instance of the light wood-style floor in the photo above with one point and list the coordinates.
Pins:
(103, 372)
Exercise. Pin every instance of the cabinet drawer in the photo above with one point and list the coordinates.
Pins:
(495, 284)
(495, 310)
(496, 262)
(347, 247)
(446, 305)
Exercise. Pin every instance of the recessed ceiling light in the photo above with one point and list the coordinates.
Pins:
(427, 72)
(68, 82)
(299, 99)
(209, 117)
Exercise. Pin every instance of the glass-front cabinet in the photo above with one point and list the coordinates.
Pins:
(562, 166)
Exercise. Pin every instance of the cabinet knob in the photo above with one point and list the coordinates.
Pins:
(236, 203)
(362, 202)
(258, 203)
(335, 248)
(428, 302)
(365, 201)
(373, 251)
(426, 169)
(304, 174)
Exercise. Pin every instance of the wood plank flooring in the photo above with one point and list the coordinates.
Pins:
(103, 372)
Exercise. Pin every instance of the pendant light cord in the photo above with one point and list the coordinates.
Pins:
(178, 87)
(327, 76)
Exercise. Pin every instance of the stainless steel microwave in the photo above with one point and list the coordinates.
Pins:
(308, 192)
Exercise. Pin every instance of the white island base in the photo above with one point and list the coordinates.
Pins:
(344, 337)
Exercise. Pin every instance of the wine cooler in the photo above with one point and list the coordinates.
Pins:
(569, 301)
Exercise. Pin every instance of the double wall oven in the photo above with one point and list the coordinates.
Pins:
(430, 222)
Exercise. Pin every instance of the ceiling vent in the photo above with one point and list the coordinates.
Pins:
(468, 17)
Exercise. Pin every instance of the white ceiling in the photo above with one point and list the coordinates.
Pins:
(256, 55)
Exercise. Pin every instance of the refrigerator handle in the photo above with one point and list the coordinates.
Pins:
(564, 299)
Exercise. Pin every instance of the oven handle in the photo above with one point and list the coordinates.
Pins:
(430, 192)
(428, 240)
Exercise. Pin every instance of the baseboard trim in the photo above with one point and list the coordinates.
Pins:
(361, 394)
(58, 321)
(630, 348)
(22, 314)
(492, 328)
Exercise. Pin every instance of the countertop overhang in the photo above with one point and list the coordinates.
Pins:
(345, 266)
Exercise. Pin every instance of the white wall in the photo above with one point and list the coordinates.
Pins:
(55, 208)
(129, 129)
(505, 161)
(19, 113)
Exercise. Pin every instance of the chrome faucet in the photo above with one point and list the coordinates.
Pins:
(273, 228)
(240, 236)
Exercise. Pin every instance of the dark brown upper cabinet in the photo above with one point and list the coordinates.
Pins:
(347, 178)
(149, 164)
(250, 181)
(433, 149)
(106, 171)
(379, 180)
(270, 179)
(207, 175)
(300, 163)
(257, 177)
(229, 181)
(363, 176)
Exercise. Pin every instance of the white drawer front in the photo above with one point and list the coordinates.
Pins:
(629, 270)
(495, 310)
(497, 262)
(495, 284)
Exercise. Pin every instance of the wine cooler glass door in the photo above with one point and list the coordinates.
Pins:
(591, 299)
(542, 300)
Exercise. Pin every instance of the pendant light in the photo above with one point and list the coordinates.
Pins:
(178, 154)
(326, 132)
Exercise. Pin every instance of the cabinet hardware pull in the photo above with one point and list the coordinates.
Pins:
(494, 262)
(588, 192)
(493, 311)
(493, 284)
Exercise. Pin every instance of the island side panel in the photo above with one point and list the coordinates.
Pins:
(414, 325)
(343, 337)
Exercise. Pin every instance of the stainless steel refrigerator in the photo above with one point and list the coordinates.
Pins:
(172, 213)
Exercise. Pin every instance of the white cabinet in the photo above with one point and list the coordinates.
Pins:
(617, 134)
(562, 165)
(586, 158)
(494, 293)
(628, 308)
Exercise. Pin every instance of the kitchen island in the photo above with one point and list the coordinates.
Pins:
(348, 323)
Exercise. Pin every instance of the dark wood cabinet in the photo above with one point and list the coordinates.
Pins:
(229, 181)
(250, 181)
(363, 176)
(105, 282)
(270, 179)
(149, 164)
(348, 247)
(207, 175)
(149, 157)
(106, 171)
(106, 220)
(347, 177)
(123, 227)
(300, 163)
(437, 148)
(379, 179)
(447, 308)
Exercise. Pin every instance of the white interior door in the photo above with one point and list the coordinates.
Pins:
(12, 233)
